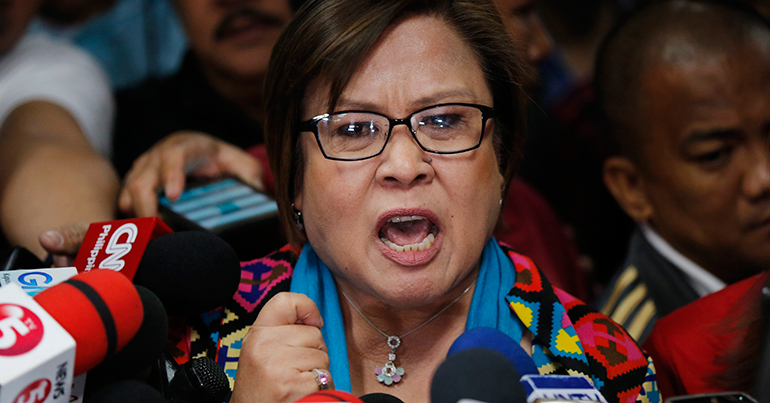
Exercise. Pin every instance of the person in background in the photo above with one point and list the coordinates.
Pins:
(198, 120)
(133, 40)
(55, 118)
(529, 223)
(685, 86)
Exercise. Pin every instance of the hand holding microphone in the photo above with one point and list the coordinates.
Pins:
(280, 352)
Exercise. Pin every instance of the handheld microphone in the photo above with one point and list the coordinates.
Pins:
(118, 245)
(200, 380)
(329, 396)
(493, 339)
(37, 354)
(32, 281)
(101, 310)
(564, 388)
(380, 398)
(479, 374)
(135, 360)
(191, 272)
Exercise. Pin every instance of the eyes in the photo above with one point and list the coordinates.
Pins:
(718, 149)
(714, 158)
(365, 126)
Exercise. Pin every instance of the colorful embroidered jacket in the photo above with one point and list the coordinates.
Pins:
(576, 339)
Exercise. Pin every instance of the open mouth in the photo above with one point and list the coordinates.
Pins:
(408, 233)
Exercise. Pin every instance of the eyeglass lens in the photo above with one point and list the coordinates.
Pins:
(444, 128)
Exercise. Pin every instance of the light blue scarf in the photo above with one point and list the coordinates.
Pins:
(488, 307)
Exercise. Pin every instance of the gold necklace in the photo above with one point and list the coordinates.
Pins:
(389, 373)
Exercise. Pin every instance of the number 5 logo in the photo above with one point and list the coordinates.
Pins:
(115, 251)
(20, 330)
(36, 392)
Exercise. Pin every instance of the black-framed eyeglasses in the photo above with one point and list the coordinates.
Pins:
(439, 129)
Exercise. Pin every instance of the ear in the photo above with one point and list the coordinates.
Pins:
(298, 200)
(626, 183)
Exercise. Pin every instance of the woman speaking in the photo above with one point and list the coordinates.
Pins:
(393, 130)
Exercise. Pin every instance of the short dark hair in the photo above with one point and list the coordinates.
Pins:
(328, 40)
(636, 45)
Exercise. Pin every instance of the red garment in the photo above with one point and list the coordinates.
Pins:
(531, 227)
(685, 343)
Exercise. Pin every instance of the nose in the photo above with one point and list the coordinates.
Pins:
(540, 40)
(757, 179)
(404, 163)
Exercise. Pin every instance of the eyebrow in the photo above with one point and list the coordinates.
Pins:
(433, 99)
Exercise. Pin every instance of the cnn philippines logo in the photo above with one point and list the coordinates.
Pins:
(20, 330)
(36, 392)
(115, 249)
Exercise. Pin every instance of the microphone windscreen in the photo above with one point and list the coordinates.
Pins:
(128, 391)
(191, 272)
(100, 309)
(477, 373)
(380, 398)
(329, 396)
(487, 337)
(142, 351)
(200, 380)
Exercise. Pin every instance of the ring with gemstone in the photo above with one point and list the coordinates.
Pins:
(322, 378)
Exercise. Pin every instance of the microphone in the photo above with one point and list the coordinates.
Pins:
(118, 245)
(380, 398)
(479, 374)
(200, 380)
(101, 310)
(493, 339)
(191, 272)
(329, 396)
(35, 280)
(135, 360)
(566, 388)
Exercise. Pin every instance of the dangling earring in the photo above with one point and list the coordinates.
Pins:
(298, 221)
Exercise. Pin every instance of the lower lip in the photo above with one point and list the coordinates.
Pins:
(412, 258)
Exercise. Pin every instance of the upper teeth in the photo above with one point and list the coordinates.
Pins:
(405, 218)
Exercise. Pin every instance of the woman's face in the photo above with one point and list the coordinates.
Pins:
(349, 208)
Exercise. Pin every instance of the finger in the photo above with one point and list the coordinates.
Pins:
(317, 380)
(304, 336)
(241, 164)
(64, 240)
(144, 194)
(281, 368)
(125, 202)
(288, 308)
(143, 173)
(63, 260)
(172, 172)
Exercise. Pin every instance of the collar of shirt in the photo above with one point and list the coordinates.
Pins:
(701, 280)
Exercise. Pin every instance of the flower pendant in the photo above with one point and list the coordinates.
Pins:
(389, 374)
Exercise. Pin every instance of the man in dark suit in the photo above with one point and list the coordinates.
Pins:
(685, 86)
